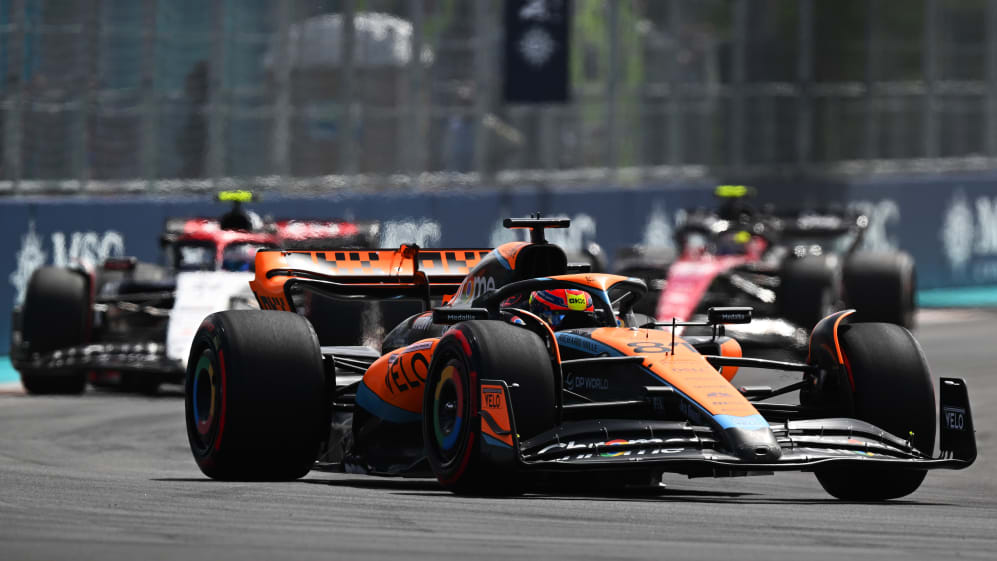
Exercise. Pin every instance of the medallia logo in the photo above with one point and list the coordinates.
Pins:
(957, 232)
(969, 236)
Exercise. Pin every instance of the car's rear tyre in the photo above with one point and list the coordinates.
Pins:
(470, 352)
(56, 315)
(140, 382)
(881, 286)
(893, 391)
(808, 290)
(47, 382)
(256, 398)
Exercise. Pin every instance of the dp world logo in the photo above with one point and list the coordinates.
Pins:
(958, 232)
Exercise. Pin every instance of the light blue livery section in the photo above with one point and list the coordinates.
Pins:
(380, 408)
(751, 422)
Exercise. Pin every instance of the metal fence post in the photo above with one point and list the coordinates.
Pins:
(991, 78)
(612, 90)
(483, 24)
(930, 71)
(281, 137)
(90, 43)
(150, 102)
(674, 103)
(216, 103)
(347, 98)
(805, 79)
(872, 63)
(413, 137)
(13, 160)
(736, 140)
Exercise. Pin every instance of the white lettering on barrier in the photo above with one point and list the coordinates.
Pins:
(90, 246)
(420, 231)
(881, 214)
(969, 237)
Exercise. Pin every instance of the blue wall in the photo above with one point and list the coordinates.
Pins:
(948, 225)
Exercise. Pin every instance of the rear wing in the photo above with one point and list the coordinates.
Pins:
(406, 272)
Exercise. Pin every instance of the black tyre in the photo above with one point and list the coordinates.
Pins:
(256, 401)
(470, 352)
(808, 290)
(140, 382)
(893, 391)
(56, 315)
(881, 286)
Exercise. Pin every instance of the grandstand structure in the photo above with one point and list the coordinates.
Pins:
(193, 95)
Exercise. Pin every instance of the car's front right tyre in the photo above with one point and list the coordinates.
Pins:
(255, 396)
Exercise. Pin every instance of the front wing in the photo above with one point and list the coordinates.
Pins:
(141, 356)
(682, 447)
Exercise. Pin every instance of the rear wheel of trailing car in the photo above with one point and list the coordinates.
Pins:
(808, 290)
(256, 402)
(893, 391)
(470, 352)
(881, 287)
(56, 315)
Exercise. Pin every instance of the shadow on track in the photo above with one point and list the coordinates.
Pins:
(430, 488)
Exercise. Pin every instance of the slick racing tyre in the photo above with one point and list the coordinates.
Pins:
(468, 353)
(256, 403)
(56, 315)
(893, 391)
(808, 290)
(881, 287)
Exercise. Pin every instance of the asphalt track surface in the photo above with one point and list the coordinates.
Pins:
(109, 476)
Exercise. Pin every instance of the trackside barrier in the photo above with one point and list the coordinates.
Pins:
(949, 224)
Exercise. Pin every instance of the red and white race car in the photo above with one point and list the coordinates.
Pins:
(129, 324)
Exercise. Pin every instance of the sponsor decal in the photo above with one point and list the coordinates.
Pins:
(480, 285)
(969, 237)
(406, 371)
(577, 302)
(572, 382)
(492, 399)
(584, 450)
(90, 246)
(955, 417)
(272, 303)
(581, 343)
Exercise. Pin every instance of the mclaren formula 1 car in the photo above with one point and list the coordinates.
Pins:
(792, 268)
(128, 324)
(491, 397)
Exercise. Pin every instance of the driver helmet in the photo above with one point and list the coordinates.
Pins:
(559, 304)
(733, 243)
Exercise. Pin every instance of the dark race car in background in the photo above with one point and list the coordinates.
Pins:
(492, 398)
(128, 324)
(793, 268)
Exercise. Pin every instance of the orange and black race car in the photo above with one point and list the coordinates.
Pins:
(531, 374)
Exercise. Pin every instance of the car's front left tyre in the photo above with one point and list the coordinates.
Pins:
(469, 353)
(255, 396)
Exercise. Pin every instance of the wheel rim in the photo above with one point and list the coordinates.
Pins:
(204, 398)
(449, 412)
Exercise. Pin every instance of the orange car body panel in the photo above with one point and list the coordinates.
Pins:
(399, 378)
(370, 266)
(496, 407)
(681, 367)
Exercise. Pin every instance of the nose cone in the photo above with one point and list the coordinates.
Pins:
(757, 446)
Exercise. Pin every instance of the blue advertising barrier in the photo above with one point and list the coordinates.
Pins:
(949, 226)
